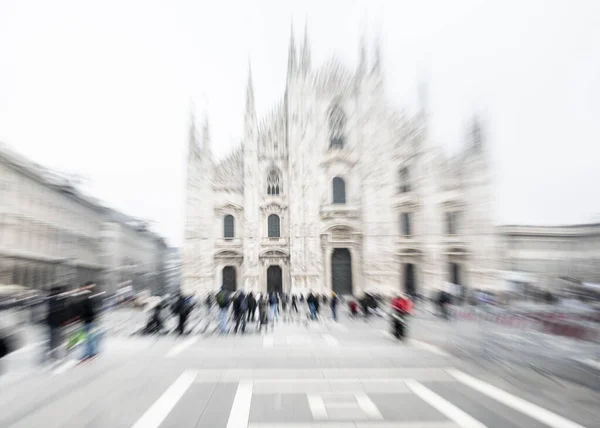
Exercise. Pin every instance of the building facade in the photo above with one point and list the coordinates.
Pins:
(336, 190)
(549, 258)
(173, 270)
(51, 233)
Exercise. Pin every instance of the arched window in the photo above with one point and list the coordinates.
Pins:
(406, 224)
(337, 127)
(404, 185)
(274, 184)
(339, 190)
(228, 226)
(274, 226)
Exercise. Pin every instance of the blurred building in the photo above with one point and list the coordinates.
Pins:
(173, 270)
(52, 233)
(336, 190)
(549, 257)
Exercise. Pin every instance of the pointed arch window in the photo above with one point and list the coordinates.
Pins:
(274, 184)
(337, 127)
(228, 226)
(274, 226)
(404, 176)
(339, 190)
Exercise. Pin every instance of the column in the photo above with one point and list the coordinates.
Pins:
(328, 253)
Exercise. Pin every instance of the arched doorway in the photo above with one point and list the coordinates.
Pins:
(410, 287)
(229, 278)
(341, 271)
(274, 281)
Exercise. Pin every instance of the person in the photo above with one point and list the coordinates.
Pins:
(263, 317)
(240, 306)
(284, 306)
(295, 303)
(353, 308)
(155, 323)
(273, 307)
(403, 304)
(334, 303)
(251, 307)
(57, 314)
(182, 311)
(88, 317)
(312, 305)
(223, 302)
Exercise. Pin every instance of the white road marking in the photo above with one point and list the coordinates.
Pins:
(240, 409)
(461, 418)
(182, 346)
(268, 341)
(331, 341)
(163, 406)
(589, 362)
(428, 347)
(545, 416)
(367, 406)
(317, 407)
(65, 366)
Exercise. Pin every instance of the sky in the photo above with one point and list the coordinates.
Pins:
(103, 89)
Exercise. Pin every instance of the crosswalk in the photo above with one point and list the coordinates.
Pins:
(356, 397)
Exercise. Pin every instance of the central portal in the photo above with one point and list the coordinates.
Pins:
(274, 281)
(341, 272)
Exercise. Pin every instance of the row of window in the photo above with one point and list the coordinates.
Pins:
(273, 223)
(275, 187)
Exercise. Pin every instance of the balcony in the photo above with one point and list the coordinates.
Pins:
(406, 200)
(225, 243)
(339, 211)
(274, 242)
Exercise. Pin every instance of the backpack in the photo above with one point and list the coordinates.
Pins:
(221, 299)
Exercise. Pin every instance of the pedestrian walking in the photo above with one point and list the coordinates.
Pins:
(312, 305)
(88, 317)
(240, 306)
(295, 303)
(273, 307)
(181, 309)
(263, 317)
(223, 302)
(56, 317)
(334, 304)
(251, 307)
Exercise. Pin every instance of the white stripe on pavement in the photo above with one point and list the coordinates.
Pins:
(163, 406)
(317, 407)
(182, 346)
(536, 412)
(240, 409)
(367, 406)
(331, 341)
(461, 418)
(65, 366)
(428, 347)
(589, 362)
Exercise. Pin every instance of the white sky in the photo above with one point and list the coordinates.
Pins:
(103, 88)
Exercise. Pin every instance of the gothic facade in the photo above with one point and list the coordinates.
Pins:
(336, 190)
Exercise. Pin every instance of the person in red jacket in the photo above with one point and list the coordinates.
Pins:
(402, 304)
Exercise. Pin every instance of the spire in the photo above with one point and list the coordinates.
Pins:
(192, 142)
(362, 56)
(305, 53)
(377, 58)
(292, 52)
(205, 134)
(250, 110)
(475, 136)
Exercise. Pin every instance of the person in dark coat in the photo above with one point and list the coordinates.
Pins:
(251, 307)
(295, 303)
(56, 317)
(240, 306)
(181, 309)
(334, 304)
(88, 317)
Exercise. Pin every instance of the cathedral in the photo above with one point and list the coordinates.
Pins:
(336, 190)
